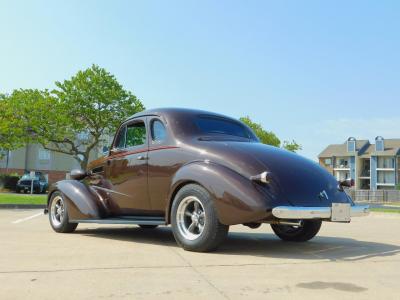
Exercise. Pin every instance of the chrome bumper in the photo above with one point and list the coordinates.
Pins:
(298, 212)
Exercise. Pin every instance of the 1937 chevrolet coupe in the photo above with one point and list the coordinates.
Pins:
(199, 172)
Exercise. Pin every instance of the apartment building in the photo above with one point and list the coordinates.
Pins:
(372, 166)
(33, 157)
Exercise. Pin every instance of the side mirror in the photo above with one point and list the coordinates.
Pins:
(78, 174)
(347, 183)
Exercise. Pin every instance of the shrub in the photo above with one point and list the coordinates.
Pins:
(9, 181)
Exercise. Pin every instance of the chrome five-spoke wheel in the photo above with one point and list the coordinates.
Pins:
(57, 211)
(58, 214)
(191, 218)
(194, 220)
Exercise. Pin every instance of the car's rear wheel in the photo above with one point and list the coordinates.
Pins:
(146, 226)
(58, 214)
(194, 220)
(306, 231)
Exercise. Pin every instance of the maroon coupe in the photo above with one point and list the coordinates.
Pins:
(199, 172)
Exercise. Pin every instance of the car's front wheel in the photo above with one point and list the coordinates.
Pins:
(58, 214)
(306, 231)
(194, 220)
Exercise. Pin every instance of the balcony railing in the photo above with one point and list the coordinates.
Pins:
(386, 182)
(365, 173)
(389, 167)
(341, 166)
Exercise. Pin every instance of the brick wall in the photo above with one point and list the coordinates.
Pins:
(53, 176)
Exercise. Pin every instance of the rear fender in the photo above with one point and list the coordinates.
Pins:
(237, 199)
(82, 202)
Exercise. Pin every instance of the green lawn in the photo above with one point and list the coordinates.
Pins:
(386, 210)
(22, 199)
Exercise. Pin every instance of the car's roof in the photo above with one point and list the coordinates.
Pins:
(175, 112)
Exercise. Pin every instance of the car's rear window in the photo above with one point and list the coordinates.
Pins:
(211, 125)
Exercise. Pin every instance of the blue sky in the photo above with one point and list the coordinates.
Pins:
(313, 71)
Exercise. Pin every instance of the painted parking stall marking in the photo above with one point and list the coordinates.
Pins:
(27, 218)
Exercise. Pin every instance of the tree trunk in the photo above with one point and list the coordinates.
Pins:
(84, 163)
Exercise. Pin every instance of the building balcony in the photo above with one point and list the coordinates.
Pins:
(387, 169)
(365, 174)
(385, 183)
(341, 167)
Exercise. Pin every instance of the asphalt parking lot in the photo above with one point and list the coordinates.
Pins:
(346, 261)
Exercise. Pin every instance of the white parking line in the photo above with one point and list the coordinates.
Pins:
(27, 218)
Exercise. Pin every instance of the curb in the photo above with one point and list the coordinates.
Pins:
(22, 206)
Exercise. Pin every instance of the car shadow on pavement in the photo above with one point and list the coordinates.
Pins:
(259, 244)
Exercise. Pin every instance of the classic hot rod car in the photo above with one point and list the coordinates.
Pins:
(199, 172)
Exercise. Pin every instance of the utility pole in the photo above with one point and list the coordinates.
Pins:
(7, 160)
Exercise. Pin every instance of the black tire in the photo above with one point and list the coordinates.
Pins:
(212, 233)
(146, 226)
(62, 226)
(303, 233)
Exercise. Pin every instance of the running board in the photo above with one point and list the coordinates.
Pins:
(125, 220)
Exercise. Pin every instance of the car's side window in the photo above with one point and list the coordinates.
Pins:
(120, 140)
(135, 134)
(158, 131)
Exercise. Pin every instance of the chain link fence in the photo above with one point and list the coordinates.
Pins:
(378, 196)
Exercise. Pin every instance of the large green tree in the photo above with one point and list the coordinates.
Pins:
(268, 137)
(74, 118)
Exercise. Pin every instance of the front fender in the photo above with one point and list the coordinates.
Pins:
(237, 199)
(82, 202)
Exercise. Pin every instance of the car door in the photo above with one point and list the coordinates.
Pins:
(126, 169)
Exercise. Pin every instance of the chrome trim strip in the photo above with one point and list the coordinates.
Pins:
(96, 187)
(299, 212)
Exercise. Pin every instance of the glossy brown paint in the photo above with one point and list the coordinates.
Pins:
(123, 185)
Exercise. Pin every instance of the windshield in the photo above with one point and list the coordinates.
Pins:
(28, 177)
(211, 125)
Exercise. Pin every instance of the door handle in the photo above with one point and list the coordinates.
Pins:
(141, 157)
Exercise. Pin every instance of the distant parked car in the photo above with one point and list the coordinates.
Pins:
(40, 184)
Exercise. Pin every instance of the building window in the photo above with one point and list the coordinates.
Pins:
(385, 163)
(386, 177)
(351, 145)
(379, 144)
(341, 176)
(342, 163)
(328, 161)
(44, 154)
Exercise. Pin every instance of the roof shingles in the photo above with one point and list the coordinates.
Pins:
(363, 149)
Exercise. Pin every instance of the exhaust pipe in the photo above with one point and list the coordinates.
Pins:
(286, 222)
